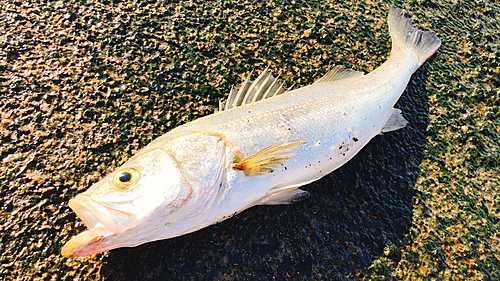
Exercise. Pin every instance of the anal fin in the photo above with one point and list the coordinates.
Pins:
(395, 122)
(268, 159)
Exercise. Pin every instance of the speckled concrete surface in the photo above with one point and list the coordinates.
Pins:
(85, 84)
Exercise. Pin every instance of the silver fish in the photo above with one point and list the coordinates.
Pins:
(258, 149)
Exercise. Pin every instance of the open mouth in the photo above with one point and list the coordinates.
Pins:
(91, 214)
(102, 219)
(102, 215)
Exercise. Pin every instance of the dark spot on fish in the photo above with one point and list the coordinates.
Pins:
(355, 139)
(340, 147)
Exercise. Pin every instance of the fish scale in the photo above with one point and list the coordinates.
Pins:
(262, 145)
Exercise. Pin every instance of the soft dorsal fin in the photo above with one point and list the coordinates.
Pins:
(264, 87)
(338, 73)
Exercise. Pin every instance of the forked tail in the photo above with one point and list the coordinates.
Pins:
(421, 43)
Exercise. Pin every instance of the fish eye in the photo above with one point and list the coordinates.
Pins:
(126, 177)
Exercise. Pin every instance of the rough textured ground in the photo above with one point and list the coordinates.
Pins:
(85, 84)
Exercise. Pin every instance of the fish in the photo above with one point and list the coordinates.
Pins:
(263, 143)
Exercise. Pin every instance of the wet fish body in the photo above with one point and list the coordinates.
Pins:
(261, 146)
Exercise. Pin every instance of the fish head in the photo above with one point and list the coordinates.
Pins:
(127, 207)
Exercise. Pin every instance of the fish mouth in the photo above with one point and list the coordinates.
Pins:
(101, 215)
(104, 220)
(87, 243)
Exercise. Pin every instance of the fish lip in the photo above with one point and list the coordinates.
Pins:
(87, 243)
(90, 212)
(101, 227)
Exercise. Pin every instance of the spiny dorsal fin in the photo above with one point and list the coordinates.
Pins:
(338, 73)
(268, 159)
(264, 87)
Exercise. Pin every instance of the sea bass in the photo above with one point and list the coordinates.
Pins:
(258, 149)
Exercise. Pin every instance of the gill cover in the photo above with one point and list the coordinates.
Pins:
(162, 192)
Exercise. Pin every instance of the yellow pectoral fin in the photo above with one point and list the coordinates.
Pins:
(268, 159)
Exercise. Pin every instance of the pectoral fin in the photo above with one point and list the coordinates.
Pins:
(268, 159)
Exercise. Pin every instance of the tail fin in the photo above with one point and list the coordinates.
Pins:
(422, 43)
